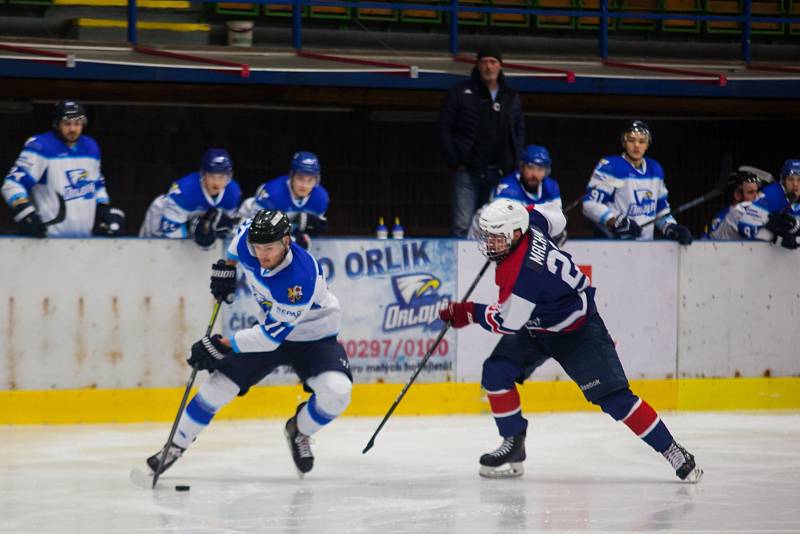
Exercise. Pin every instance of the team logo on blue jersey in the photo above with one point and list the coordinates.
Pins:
(645, 203)
(418, 302)
(79, 185)
(295, 294)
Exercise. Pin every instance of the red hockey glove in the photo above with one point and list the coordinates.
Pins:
(459, 314)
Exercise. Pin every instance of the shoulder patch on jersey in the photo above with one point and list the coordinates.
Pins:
(294, 294)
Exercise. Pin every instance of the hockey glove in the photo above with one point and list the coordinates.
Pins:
(108, 221)
(783, 224)
(223, 281)
(302, 239)
(208, 353)
(223, 225)
(29, 222)
(787, 241)
(311, 224)
(201, 230)
(679, 233)
(458, 314)
(625, 228)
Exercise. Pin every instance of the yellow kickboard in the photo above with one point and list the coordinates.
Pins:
(144, 25)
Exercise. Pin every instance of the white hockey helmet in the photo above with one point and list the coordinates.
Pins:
(498, 222)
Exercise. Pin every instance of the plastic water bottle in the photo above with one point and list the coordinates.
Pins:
(381, 232)
(397, 230)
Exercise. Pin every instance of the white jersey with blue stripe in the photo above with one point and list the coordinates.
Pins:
(46, 168)
(751, 224)
(277, 195)
(294, 297)
(641, 195)
(186, 199)
(511, 187)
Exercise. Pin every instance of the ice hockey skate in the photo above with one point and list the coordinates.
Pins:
(173, 453)
(506, 460)
(683, 463)
(299, 445)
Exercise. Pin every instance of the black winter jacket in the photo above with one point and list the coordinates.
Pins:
(459, 121)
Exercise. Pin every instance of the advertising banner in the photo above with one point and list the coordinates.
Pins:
(391, 293)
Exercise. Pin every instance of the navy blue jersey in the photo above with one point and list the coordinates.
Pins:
(511, 187)
(540, 288)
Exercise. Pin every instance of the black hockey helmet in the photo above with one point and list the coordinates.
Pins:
(68, 110)
(639, 127)
(268, 226)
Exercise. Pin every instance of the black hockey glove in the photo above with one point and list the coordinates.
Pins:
(201, 230)
(679, 233)
(29, 222)
(783, 224)
(787, 241)
(223, 225)
(208, 353)
(302, 239)
(311, 224)
(108, 221)
(223, 281)
(626, 228)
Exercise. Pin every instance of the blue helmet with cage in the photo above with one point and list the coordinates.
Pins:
(536, 155)
(217, 161)
(790, 167)
(305, 163)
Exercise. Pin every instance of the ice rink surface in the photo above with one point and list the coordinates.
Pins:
(584, 473)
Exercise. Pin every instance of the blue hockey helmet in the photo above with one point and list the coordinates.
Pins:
(637, 126)
(536, 155)
(68, 110)
(305, 163)
(790, 167)
(217, 160)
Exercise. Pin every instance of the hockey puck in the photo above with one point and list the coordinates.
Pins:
(182, 488)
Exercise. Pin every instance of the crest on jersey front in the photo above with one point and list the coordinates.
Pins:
(645, 203)
(294, 294)
(417, 302)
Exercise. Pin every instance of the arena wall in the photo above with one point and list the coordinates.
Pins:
(98, 330)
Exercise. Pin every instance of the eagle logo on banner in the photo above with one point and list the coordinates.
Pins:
(295, 294)
(413, 286)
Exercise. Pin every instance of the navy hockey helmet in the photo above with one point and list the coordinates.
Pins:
(217, 160)
(536, 155)
(268, 226)
(68, 110)
(637, 126)
(305, 163)
(790, 167)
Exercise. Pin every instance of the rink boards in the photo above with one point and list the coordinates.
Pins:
(98, 330)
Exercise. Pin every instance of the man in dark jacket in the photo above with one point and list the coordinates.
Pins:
(482, 132)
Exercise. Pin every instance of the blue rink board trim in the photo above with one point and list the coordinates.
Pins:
(583, 85)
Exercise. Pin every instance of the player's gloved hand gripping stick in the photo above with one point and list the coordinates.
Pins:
(189, 384)
(422, 363)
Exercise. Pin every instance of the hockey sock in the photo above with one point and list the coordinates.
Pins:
(331, 397)
(215, 393)
(639, 416)
(498, 381)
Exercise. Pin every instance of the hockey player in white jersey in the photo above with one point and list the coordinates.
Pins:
(201, 205)
(744, 190)
(302, 319)
(776, 215)
(620, 210)
(56, 187)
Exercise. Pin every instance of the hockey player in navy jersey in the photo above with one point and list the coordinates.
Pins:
(776, 215)
(621, 211)
(743, 192)
(201, 205)
(299, 194)
(546, 309)
(301, 322)
(57, 177)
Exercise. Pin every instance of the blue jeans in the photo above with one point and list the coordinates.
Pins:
(470, 192)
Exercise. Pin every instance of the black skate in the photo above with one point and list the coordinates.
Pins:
(683, 463)
(299, 445)
(173, 453)
(506, 460)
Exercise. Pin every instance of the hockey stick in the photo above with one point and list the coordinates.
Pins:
(616, 183)
(423, 362)
(189, 384)
(719, 187)
(62, 212)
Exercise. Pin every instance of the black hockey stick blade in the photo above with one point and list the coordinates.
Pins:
(720, 185)
(421, 365)
(186, 391)
(62, 212)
